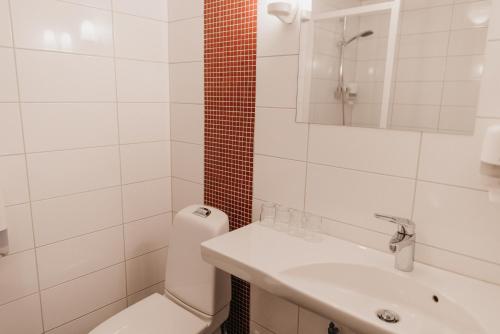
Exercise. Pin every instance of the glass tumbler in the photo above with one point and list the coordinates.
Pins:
(312, 225)
(282, 220)
(268, 214)
(296, 224)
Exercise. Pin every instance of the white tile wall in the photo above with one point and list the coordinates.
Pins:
(185, 193)
(94, 251)
(55, 25)
(5, 30)
(85, 294)
(61, 173)
(187, 108)
(140, 38)
(187, 123)
(20, 229)
(146, 270)
(146, 199)
(11, 140)
(70, 216)
(279, 180)
(14, 179)
(84, 159)
(19, 275)
(8, 85)
(184, 9)
(157, 288)
(145, 161)
(187, 161)
(155, 9)
(140, 81)
(59, 77)
(29, 307)
(147, 235)
(277, 134)
(59, 126)
(143, 122)
(350, 173)
(186, 82)
(89, 321)
(185, 40)
(277, 81)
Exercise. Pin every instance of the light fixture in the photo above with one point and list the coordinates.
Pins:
(285, 10)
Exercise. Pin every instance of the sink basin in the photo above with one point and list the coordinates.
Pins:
(364, 290)
(349, 283)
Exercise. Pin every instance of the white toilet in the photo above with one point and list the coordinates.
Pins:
(197, 295)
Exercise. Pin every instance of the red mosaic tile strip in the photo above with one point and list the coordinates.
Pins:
(230, 79)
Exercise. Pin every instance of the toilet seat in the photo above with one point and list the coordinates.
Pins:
(155, 314)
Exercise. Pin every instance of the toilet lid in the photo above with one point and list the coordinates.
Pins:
(155, 314)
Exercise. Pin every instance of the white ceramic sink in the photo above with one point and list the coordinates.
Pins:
(364, 290)
(349, 283)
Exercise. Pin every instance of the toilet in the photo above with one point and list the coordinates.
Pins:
(197, 295)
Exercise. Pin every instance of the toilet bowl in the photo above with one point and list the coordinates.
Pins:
(197, 295)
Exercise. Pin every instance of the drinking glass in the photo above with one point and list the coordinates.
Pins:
(268, 214)
(282, 220)
(296, 223)
(312, 225)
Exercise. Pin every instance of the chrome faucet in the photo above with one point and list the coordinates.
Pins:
(402, 242)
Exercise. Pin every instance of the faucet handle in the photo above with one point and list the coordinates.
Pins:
(406, 226)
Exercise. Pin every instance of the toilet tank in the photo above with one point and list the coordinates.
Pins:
(189, 278)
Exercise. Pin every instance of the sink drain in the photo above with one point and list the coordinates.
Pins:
(388, 316)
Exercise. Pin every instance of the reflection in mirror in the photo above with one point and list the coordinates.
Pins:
(408, 64)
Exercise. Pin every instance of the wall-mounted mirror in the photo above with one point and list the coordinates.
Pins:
(400, 64)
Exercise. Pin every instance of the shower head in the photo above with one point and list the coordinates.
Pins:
(360, 35)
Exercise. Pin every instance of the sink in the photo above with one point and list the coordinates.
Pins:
(364, 290)
(350, 284)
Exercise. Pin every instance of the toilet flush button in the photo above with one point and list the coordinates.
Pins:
(202, 212)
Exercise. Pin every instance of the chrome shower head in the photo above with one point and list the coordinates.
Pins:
(360, 35)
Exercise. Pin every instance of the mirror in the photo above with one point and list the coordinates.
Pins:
(401, 64)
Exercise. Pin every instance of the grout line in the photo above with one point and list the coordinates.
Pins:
(186, 18)
(459, 254)
(73, 194)
(419, 155)
(19, 298)
(96, 189)
(186, 180)
(146, 253)
(195, 61)
(77, 236)
(187, 103)
(83, 102)
(147, 180)
(147, 217)
(86, 314)
(148, 287)
(308, 136)
(26, 162)
(375, 173)
(81, 148)
(74, 53)
(96, 270)
(116, 264)
(119, 151)
(438, 123)
(186, 142)
(113, 10)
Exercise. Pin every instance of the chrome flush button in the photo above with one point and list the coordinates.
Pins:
(202, 212)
